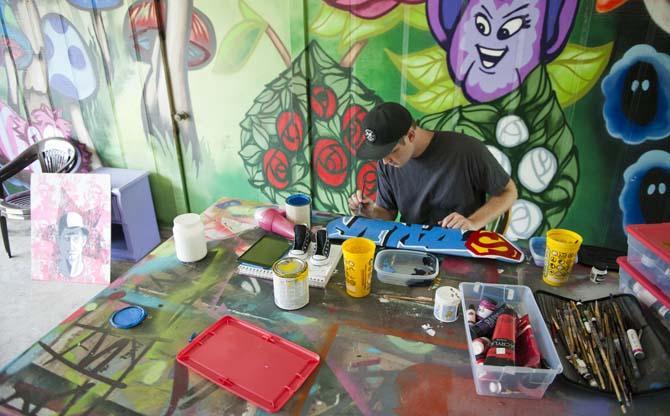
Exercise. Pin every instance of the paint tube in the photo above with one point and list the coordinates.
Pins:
(527, 351)
(486, 308)
(480, 346)
(635, 344)
(471, 315)
(484, 328)
(502, 351)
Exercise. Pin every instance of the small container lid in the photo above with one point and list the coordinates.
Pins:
(656, 237)
(639, 277)
(128, 317)
(187, 220)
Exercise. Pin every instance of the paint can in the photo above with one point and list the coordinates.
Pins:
(447, 299)
(290, 283)
(598, 274)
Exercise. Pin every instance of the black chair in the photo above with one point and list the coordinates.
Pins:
(55, 155)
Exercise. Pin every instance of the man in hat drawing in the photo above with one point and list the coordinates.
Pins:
(72, 237)
(430, 177)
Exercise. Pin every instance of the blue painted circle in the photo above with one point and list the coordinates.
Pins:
(76, 57)
(298, 200)
(128, 317)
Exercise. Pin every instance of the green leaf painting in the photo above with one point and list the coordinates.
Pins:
(248, 13)
(427, 71)
(576, 71)
(238, 45)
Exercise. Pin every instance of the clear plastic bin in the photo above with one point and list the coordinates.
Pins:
(649, 252)
(510, 381)
(404, 267)
(633, 282)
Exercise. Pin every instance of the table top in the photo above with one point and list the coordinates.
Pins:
(376, 355)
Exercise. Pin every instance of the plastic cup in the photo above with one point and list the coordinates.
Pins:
(559, 257)
(358, 254)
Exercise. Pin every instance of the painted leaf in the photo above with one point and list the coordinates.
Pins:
(329, 22)
(249, 13)
(576, 71)
(439, 97)
(237, 46)
(417, 16)
(424, 68)
(334, 22)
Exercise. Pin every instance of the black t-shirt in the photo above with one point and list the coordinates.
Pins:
(453, 174)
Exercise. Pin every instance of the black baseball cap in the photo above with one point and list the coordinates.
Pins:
(383, 127)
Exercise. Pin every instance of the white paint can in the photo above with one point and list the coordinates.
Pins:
(290, 283)
(447, 299)
(299, 209)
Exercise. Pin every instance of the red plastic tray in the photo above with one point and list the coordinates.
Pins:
(655, 237)
(249, 362)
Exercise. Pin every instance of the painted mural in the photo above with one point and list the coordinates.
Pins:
(258, 100)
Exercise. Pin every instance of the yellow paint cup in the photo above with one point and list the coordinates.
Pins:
(358, 254)
(559, 257)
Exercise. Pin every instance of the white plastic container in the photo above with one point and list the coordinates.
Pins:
(511, 381)
(189, 238)
(397, 267)
(649, 252)
(633, 282)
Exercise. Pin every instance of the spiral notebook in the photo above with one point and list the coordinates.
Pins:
(319, 274)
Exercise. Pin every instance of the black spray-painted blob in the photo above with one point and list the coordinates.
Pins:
(655, 196)
(640, 93)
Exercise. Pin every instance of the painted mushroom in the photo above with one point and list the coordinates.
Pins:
(95, 7)
(141, 30)
(189, 45)
(70, 70)
(15, 53)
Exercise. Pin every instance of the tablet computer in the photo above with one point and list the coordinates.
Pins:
(265, 251)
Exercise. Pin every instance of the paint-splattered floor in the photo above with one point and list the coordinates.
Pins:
(29, 309)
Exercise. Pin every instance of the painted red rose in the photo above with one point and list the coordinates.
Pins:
(352, 122)
(330, 162)
(366, 179)
(324, 102)
(275, 167)
(290, 130)
(369, 9)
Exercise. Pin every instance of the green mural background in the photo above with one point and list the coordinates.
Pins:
(255, 99)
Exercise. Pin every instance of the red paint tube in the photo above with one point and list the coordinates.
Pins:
(504, 337)
(527, 351)
(480, 346)
(484, 328)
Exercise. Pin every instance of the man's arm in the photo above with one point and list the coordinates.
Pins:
(368, 208)
(493, 208)
(375, 211)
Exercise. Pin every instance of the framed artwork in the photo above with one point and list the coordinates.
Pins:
(71, 227)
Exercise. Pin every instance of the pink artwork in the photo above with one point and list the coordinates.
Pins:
(71, 227)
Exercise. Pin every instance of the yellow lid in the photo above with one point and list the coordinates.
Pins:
(289, 267)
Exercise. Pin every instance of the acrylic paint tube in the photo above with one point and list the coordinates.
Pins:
(486, 308)
(635, 345)
(484, 328)
(502, 351)
(527, 351)
(471, 315)
(480, 346)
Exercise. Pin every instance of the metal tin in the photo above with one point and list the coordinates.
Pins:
(290, 283)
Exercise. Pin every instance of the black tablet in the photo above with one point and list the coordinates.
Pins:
(265, 251)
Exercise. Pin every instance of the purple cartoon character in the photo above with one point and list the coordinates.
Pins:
(493, 45)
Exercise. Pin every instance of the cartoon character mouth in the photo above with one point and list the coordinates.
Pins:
(490, 57)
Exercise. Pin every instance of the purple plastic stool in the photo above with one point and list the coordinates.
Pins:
(134, 226)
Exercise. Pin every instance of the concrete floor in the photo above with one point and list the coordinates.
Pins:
(30, 308)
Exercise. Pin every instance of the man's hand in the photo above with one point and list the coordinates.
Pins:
(456, 220)
(360, 204)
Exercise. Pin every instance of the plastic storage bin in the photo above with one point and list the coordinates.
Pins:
(509, 381)
(400, 267)
(633, 282)
(649, 252)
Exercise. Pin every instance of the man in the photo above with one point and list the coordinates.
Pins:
(72, 237)
(430, 177)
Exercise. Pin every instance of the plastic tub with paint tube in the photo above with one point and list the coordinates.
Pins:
(512, 381)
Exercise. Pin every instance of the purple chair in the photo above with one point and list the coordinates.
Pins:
(55, 155)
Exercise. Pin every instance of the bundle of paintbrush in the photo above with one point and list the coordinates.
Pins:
(602, 343)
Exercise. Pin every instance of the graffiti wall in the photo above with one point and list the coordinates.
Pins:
(255, 99)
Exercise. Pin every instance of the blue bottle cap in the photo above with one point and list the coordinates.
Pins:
(128, 317)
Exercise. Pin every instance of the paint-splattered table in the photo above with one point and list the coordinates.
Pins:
(376, 356)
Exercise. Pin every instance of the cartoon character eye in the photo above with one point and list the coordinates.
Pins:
(482, 24)
(510, 28)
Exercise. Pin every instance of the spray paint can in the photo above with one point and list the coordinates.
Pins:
(486, 308)
(290, 283)
(471, 315)
(635, 344)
